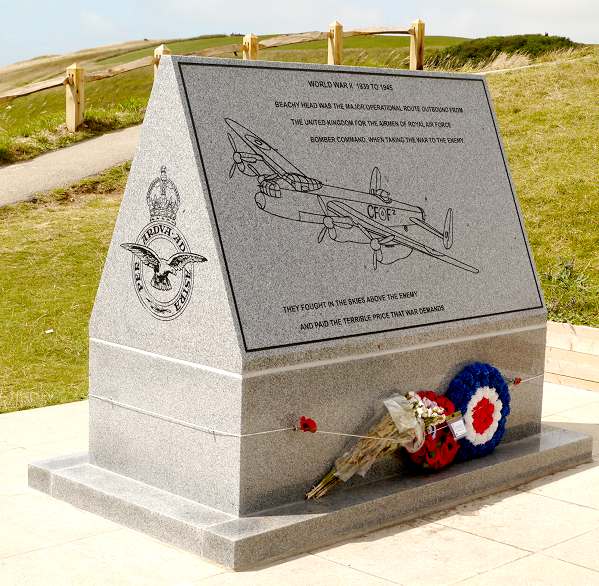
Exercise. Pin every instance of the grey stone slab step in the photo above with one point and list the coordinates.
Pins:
(243, 542)
(126, 501)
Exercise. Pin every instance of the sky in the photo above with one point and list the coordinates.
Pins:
(30, 28)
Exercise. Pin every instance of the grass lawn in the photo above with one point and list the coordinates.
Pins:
(52, 255)
(53, 250)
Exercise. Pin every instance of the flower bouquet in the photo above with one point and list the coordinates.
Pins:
(404, 424)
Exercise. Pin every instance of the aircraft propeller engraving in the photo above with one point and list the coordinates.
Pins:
(370, 217)
(162, 267)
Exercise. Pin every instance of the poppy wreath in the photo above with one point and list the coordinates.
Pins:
(439, 448)
(482, 395)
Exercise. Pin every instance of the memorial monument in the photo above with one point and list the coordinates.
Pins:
(302, 240)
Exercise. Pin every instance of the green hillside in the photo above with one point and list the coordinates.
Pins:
(44, 67)
(550, 128)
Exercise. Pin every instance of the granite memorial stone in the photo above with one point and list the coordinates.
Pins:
(302, 240)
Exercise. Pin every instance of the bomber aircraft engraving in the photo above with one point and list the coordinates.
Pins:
(371, 217)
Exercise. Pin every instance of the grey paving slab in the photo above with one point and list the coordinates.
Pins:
(579, 550)
(118, 558)
(34, 525)
(536, 569)
(536, 522)
(20, 181)
(450, 555)
(554, 402)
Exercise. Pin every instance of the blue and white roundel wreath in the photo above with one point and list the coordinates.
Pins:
(482, 395)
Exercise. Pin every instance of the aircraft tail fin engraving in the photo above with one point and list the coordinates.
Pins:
(448, 230)
(375, 186)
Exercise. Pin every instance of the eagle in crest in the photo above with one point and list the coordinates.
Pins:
(162, 267)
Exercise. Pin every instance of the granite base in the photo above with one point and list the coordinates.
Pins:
(142, 421)
(250, 541)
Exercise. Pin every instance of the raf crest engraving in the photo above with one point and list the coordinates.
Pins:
(162, 264)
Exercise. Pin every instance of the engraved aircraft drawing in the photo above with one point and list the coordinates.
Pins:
(162, 267)
(371, 217)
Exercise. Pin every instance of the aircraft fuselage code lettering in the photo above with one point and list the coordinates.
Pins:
(382, 213)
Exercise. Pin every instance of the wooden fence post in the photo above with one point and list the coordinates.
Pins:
(159, 52)
(250, 47)
(335, 43)
(75, 96)
(417, 45)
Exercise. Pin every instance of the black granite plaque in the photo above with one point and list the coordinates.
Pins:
(354, 202)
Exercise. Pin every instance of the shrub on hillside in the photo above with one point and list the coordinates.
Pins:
(483, 50)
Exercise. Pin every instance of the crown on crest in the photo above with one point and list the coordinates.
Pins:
(163, 198)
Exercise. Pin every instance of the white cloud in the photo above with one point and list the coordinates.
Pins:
(577, 19)
(264, 16)
(97, 25)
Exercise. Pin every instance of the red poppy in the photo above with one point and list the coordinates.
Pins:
(418, 457)
(430, 442)
(307, 424)
(517, 380)
(449, 449)
(433, 459)
(440, 449)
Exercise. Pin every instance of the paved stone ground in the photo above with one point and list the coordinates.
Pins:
(546, 532)
(65, 166)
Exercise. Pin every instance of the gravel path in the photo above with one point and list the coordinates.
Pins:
(65, 166)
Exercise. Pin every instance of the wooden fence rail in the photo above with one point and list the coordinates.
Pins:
(75, 76)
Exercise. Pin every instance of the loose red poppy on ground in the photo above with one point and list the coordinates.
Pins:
(517, 380)
(307, 424)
